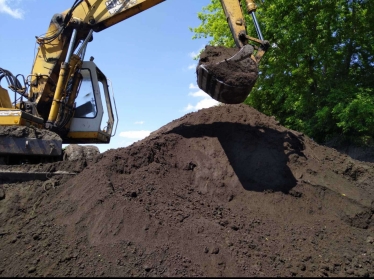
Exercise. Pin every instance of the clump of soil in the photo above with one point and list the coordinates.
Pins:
(74, 152)
(28, 132)
(223, 192)
(228, 71)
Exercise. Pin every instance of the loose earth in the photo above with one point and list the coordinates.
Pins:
(222, 192)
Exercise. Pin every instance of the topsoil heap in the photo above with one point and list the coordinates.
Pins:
(224, 192)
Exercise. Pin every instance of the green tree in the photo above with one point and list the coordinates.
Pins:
(318, 76)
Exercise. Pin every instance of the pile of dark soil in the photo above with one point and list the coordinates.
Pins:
(224, 192)
(29, 132)
(354, 150)
(228, 71)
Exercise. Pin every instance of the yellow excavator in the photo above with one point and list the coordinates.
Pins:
(68, 97)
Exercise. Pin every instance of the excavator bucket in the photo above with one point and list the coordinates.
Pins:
(229, 80)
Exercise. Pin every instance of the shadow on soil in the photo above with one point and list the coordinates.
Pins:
(257, 154)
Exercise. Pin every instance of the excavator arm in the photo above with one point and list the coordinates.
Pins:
(55, 62)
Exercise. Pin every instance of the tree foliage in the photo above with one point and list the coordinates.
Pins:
(318, 77)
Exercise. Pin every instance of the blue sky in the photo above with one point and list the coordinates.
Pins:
(148, 58)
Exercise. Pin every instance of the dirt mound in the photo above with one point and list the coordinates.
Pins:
(224, 192)
(355, 151)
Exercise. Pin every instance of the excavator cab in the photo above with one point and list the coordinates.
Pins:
(23, 138)
(93, 120)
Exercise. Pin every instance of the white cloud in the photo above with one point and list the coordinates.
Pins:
(4, 8)
(126, 143)
(192, 66)
(199, 93)
(139, 122)
(194, 54)
(205, 103)
(132, 136)
(135, 134)
(192, 86)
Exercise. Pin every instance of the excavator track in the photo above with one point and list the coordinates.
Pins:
(22, 144)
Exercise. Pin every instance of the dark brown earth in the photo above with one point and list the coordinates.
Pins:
(223, 192)
(228, 71)
(30, 132)
(361, 153)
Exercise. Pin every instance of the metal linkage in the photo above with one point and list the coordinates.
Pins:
(257, 26)
(71, 46)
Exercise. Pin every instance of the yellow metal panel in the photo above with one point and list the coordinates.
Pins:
(235, 19)
(44, 71)
(14, 117)
(4, 99)
(88, 137)
(104, 14)
(10, 117)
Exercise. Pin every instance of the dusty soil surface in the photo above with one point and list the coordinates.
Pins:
(361, 153)
(30, 132)
(243, 74)
(223, 192)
